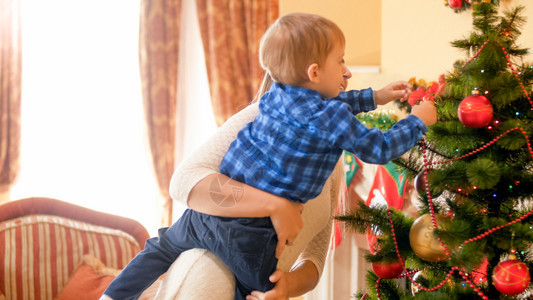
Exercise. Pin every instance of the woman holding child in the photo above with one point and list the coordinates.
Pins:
(303, 54)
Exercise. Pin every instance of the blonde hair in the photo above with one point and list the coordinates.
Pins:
(294, 42)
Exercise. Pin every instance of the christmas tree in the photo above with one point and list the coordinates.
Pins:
(474, 176)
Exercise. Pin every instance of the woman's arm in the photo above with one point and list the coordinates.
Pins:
(219, 195)
(316, 251)
(300, 280)
(303, 277)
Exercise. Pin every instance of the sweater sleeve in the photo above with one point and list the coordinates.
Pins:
(317, 249)
(206, 159)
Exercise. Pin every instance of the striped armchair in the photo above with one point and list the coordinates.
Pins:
(49, 247)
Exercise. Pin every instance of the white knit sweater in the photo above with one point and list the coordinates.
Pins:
(313, 241)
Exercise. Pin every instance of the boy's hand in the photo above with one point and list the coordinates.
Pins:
(396, 90)
(287, 222)
(426, 111)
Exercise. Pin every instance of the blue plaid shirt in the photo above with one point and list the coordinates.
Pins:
(294, 143)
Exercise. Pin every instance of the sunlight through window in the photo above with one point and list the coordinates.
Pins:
(83, 132)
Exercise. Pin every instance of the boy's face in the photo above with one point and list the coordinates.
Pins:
(333, 73)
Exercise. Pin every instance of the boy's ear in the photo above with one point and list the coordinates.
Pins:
(312, 73)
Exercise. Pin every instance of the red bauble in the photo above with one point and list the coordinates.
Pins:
(387, 270)
(511, 277)
(455, 4)
(475, 111)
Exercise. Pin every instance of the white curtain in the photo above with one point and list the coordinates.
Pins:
(195, 120)
(83, 137)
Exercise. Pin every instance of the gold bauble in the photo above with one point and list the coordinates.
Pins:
(423, 242)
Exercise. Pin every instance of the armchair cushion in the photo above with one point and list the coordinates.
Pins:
(89, 281)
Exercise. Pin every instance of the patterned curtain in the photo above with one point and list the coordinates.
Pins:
(10, 84)
(158, 55)
(231, 30)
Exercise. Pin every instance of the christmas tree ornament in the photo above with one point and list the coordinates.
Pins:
(351, 165)
(423, 242)
(479, 275)
(420, 182)
(415, 288)
(455, 4)
(511, 277)
(429, 93)
(475, 111)
(387, 190)
(388, 270)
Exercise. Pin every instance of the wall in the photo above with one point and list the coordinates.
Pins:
(415, 35)
(363, 47)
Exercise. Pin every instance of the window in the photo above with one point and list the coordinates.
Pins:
(195, 121)
(83, 134)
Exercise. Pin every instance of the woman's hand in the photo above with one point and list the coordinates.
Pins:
(279, 292)
(287, 220)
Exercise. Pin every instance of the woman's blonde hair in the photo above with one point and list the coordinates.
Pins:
(294, 42)
(266, 83)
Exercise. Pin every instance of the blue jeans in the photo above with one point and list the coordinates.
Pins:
(246, 245)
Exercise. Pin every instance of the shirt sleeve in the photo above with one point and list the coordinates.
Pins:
(372, 145)
(358, 100)
(206, 159)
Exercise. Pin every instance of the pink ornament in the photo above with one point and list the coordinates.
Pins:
(475, 111)
(455, 4)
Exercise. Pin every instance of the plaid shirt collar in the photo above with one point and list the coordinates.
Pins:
(300, 103)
